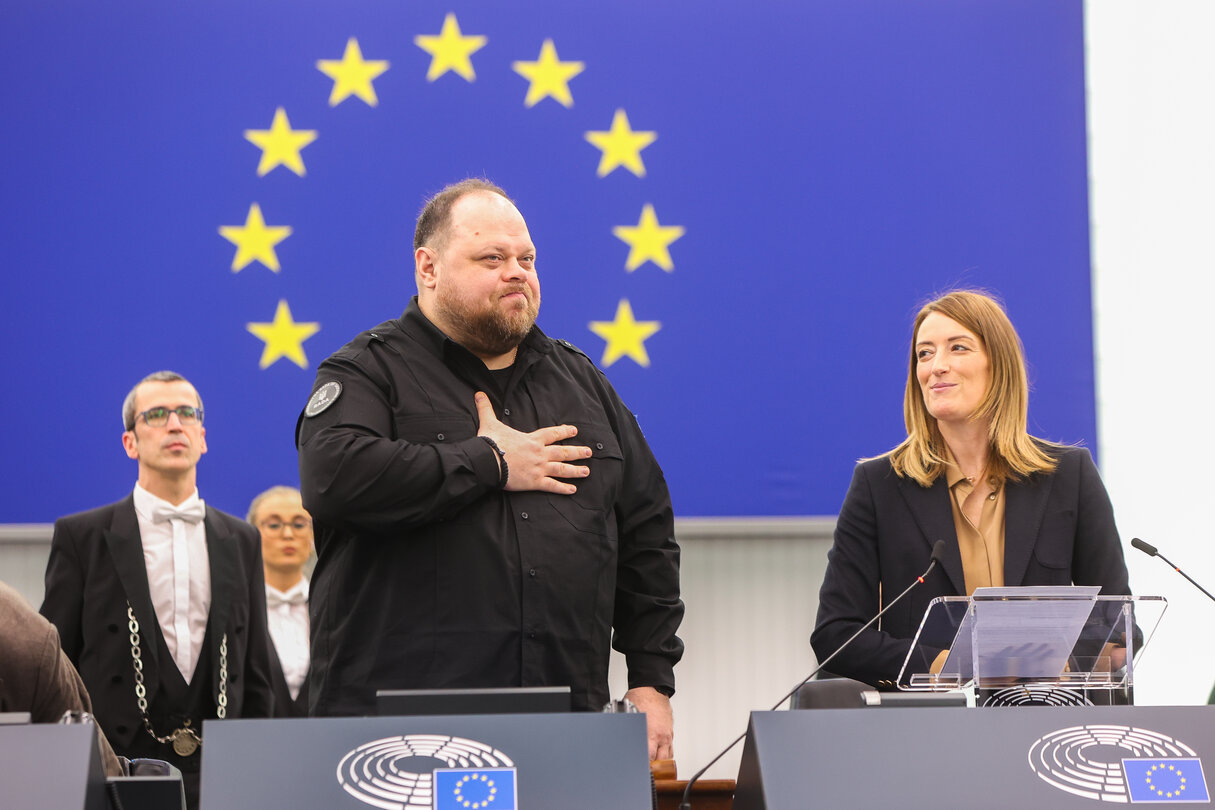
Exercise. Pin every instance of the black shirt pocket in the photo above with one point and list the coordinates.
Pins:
(591, 508)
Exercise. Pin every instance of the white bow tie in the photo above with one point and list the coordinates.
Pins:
(276, 599)
(192, 513)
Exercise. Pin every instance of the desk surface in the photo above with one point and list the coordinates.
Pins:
(1059, 757)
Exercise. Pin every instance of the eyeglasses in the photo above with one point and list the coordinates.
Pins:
(159, 417)
(277, 526)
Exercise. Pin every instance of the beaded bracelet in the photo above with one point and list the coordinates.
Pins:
(504, 472)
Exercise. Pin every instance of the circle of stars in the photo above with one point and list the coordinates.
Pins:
(451, 51)
(489, 791)
(1168, 792)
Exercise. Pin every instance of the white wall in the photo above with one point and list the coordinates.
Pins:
(751, 590)
(1151, 68)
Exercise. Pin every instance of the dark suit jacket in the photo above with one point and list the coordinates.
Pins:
(96, 565)
(1058, 530)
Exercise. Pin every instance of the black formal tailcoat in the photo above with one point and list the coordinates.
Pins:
(1058, 530)
(97, 565)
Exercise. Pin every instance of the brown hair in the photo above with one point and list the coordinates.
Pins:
(435, 219)
(1005, 407)
(128, 404)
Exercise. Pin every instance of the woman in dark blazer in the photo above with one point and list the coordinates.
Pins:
(1012, 509)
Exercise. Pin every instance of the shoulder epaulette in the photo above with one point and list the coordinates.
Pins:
(362, 341)
(571, 347)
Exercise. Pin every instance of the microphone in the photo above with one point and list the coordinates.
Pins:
(938, 551)
(938, 554)
(1150, 550)
(1146, 548)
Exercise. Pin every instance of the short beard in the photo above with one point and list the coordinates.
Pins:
(490, 332)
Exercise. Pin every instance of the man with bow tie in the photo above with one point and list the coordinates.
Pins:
(159, 599)
(286, 531)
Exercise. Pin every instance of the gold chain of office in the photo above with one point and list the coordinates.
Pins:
(185, 740)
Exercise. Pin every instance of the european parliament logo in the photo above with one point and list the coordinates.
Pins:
(1120, 764)
(475, 789)
(1175, 779)
(399, 773)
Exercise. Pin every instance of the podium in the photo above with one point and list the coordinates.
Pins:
(1032, 645)
(50, 765)
(1065, 757)
(496, 762)
(1036, 657)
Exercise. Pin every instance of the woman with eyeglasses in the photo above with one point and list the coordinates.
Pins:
(286, 549)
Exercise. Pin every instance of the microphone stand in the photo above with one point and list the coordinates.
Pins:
(937, 550)
(1150, 550)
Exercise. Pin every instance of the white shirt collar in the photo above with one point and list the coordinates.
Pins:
(300, 587)
(144, 501)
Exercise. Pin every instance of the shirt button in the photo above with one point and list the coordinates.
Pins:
(598, 446)
(531, 635)
(523, 515)
(116, 679)
(113, 628)
(506, 411)
(440, 437)
(531, 572)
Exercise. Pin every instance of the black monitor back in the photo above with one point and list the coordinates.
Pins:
(512, 700)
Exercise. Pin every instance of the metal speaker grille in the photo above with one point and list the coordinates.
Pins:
(1034, 696)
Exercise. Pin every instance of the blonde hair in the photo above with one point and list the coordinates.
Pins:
(273, 491)
(1014, 454)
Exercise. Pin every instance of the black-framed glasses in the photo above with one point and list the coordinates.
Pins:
(277, 526)
(159, 417)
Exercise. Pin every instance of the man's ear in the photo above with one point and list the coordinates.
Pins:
(424, 261)
(130, 444)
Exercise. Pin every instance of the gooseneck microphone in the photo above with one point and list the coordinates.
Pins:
(1150, 550)
(938, 551)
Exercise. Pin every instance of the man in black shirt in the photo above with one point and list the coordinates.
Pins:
(487, 511)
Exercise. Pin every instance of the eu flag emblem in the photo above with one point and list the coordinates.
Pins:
(475, 789)
(1165, 779)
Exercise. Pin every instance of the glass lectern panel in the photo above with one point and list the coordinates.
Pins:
(1045, 636)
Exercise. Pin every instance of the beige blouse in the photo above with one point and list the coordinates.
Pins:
(982, 546)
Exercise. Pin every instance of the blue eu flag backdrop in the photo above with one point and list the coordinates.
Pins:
(737, 206)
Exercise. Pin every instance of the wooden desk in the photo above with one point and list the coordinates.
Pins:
(707, 794)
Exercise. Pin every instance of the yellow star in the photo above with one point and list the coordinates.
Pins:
(625, 336)
(621, 146)
(449, 50)
(280, 144)
(254, 240)
(548, 76)
(648, 241)
(352, 75)
(284, 337)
